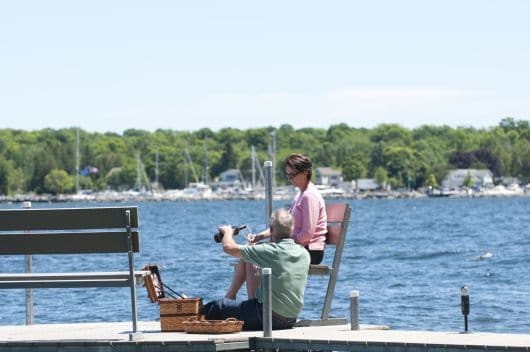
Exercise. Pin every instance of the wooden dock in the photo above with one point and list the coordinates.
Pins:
(115, 337)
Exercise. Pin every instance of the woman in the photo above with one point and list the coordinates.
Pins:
(310, 222)
(308, 207)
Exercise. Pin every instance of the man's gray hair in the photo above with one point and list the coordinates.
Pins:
(281, 223)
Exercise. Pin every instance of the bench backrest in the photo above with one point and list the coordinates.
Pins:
(68, 230)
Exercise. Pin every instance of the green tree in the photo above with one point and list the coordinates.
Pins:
(391, 134)
(381, 176)
(58, 181)
(4, 176)
(431, 181)
(354, 169)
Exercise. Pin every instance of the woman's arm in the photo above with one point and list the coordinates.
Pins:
(253, 239)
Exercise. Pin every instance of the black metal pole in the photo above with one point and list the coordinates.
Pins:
(464, 295)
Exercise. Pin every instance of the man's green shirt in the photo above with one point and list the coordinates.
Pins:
(289, 263)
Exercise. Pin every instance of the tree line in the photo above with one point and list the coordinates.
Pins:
(44, 160)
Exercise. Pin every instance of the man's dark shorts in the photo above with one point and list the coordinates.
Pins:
(249, 311)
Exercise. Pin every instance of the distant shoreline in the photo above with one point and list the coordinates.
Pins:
(169, 196)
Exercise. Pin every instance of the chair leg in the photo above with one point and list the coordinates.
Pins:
(329, 295)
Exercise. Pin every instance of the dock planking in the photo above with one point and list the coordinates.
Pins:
(114, 336)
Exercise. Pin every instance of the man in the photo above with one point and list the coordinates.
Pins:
(289, 263)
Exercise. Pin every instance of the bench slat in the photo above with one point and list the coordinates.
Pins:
(72, 276)
(66, 218)
(67, 243)
(65, 283)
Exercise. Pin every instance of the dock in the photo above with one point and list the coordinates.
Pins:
(115, 337)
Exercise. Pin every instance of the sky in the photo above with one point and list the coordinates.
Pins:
(186, 65)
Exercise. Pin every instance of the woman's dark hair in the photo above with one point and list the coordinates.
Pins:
(300, 163)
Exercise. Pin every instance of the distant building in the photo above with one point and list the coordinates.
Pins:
(230, 176)
(456, 178)
(367, 184)
(328, 176)
(229, 179)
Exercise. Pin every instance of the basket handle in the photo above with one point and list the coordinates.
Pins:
(192, 318)
(231, 319)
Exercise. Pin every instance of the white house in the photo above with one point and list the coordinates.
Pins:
(328, 176)
(456, 178)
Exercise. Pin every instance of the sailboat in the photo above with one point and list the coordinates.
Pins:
(195, 190)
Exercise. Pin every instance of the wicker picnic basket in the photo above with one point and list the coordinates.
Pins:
(195, 326)
(174, 312)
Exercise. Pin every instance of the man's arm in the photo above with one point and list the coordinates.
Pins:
(230, 246)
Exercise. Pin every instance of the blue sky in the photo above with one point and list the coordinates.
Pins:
(185, 65)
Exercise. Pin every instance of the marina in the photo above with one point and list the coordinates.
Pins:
(114, 337)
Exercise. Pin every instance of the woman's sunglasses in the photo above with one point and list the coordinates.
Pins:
(292, 175)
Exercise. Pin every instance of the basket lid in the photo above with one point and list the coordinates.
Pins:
(179, 300)
(153, 283)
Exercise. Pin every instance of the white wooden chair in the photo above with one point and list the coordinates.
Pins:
(338, 219)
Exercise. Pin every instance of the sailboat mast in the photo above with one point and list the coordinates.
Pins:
(253, 157)
(205, 178)
(77, 162)
(138, 173)
(185, 171)
(156, 168)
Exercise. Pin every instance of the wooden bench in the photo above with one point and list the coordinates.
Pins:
(338, 220)
(72, 231)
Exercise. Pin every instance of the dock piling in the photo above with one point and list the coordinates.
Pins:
(354, 310)
(267, 304)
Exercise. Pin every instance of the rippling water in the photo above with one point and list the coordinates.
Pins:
(408, 259)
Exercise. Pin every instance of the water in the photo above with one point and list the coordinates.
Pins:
(408, 259)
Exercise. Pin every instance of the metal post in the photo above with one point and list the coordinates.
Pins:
(267, 170)
(354, 310)
(464, 296)
(267, 301)
(135, 335)
(29, 291)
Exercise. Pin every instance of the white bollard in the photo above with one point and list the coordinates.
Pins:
(354, 310)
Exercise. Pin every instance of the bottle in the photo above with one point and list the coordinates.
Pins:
(218, 237)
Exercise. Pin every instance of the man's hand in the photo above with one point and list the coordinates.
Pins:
(230, 247)
(226, 230)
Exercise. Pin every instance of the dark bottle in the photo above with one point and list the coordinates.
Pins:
(218, 237)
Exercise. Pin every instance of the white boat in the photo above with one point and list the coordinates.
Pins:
(197, 190)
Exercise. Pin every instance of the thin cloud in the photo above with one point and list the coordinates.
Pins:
(360, 107)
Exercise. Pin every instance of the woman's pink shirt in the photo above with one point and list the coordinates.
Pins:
(310, 218)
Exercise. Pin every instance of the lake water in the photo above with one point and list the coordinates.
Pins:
(408, 259)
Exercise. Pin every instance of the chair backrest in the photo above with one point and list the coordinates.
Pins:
(338, 217)
(68, 230)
